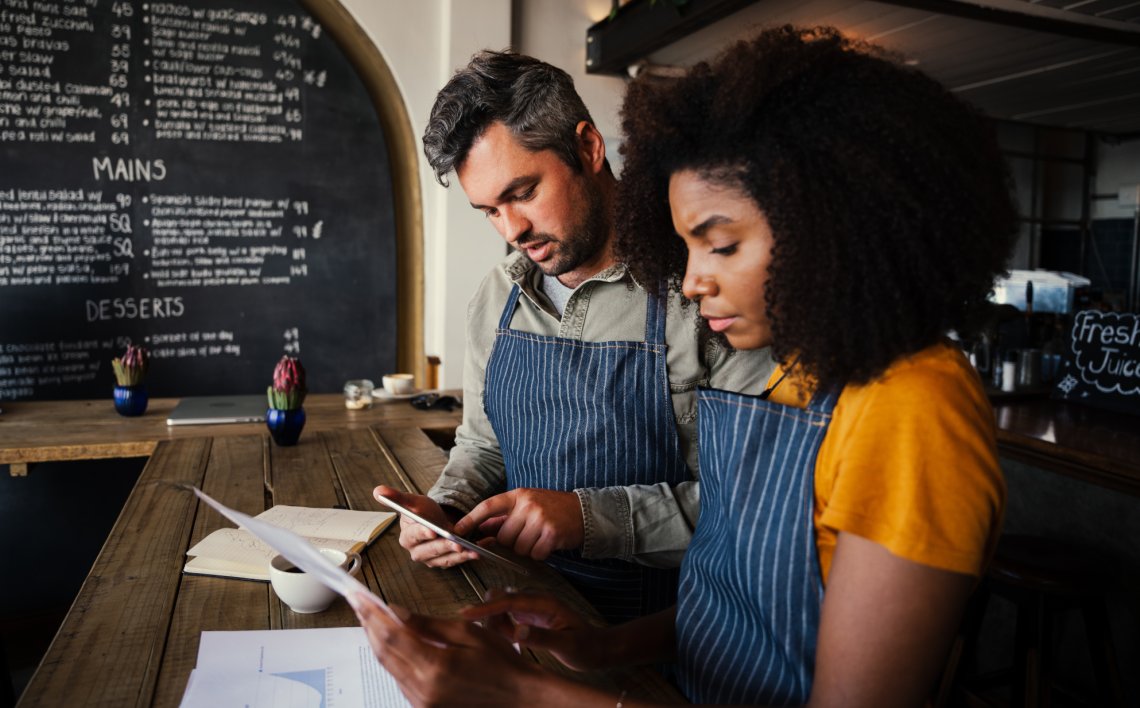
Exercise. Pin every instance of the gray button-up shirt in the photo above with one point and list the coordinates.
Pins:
(648, 524)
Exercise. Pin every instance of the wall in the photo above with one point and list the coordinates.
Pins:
(459, 247)
(1118, 166)
(1016, 138)
(555, 31)
(1115, 223)
(1107, 258)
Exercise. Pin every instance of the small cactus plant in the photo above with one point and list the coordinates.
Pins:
(288, 390)
(130, 368)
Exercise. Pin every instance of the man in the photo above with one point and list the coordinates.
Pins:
(577, 444)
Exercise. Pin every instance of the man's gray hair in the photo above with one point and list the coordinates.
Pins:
(536, 101)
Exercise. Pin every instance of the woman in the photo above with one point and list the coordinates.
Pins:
(847, 211)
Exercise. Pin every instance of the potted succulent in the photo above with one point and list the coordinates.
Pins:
(285, 417)
(130, 371)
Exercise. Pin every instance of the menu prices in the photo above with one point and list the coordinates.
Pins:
(56, 236)
(75, 236)
(212, 83)
(206, 178)
(31, 367)
(26, 367)
(214, 73)
(206, 240)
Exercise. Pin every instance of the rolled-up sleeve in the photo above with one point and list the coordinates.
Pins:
(647, 524)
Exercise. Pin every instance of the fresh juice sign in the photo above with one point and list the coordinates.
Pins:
(1103, 363)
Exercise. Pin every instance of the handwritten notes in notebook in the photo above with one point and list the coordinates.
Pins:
(236, 553)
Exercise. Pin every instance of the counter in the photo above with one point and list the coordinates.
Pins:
(131, 637)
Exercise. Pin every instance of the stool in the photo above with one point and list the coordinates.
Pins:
(1042, 577)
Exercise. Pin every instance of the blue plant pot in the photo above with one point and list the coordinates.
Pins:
(131, 400)
(285, 426)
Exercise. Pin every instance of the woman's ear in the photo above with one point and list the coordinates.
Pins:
(591, 147)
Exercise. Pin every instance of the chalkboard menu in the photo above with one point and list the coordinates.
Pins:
(206, 179)
(1102, 366)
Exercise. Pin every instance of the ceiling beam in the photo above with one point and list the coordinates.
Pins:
(1033, 17)
(640, 27)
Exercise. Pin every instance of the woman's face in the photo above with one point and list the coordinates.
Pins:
(730, 247)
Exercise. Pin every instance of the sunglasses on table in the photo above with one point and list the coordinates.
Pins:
(435, 402)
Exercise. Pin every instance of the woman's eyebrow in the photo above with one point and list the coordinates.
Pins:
(715, 220)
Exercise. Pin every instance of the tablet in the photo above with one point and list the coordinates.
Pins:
(490, 555)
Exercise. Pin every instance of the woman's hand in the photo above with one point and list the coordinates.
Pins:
(445, 662)
(538, 621)
(452, 662)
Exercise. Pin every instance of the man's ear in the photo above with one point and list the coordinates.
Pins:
(591, 147)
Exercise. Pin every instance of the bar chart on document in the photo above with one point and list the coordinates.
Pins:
(290, 668)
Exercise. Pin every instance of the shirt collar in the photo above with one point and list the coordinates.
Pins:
(523, 271)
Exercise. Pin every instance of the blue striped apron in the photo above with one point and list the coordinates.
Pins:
(751, 587)
(570, 414)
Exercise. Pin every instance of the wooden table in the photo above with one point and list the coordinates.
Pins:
(52, 431)
(131, 637)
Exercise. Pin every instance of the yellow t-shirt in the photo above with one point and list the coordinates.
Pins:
(910, 462)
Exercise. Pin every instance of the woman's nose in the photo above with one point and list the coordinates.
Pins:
(698, 285)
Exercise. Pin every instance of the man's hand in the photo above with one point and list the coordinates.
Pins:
(532, 522)
(422, 544)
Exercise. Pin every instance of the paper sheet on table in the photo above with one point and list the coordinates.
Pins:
(297, 550)
(289, 668)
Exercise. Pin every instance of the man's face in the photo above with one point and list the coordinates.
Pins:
(557, 217)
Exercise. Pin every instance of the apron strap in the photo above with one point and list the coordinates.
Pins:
(656, 307)
(823, 400)
(509, 309)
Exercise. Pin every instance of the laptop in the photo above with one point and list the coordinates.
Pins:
(210, 410)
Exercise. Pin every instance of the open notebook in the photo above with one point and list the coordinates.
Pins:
(237, 553)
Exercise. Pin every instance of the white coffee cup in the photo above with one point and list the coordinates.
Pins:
(303, 593)
(399, 384)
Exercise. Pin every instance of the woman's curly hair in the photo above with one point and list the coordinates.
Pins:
(888, 198)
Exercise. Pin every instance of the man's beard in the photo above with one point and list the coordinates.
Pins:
(583, 241)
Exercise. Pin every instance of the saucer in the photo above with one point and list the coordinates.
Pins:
(381, 394)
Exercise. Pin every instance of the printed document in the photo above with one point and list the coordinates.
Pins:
(290, 668)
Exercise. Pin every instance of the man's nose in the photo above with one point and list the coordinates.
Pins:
(515, 226)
